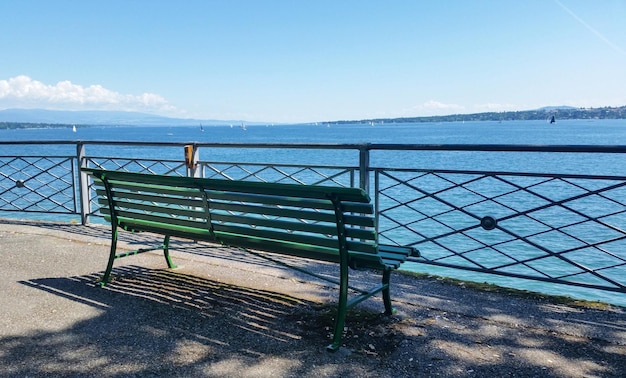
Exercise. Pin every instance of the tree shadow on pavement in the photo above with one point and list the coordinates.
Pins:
(163, 322)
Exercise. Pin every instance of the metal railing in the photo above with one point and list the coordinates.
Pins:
(555, 224)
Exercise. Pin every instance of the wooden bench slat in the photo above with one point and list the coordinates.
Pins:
(145, 197)
(159, 189)
(274, 199)
(357, 208)
(303, 213)
(358, 246)
(304, 191)
(151, 209)
(359, 220)
(223, 197)
(183, 211)
(159, 199)
(284, 225)
(160, 219)
(368, 235)
(286, 190)
(310, 251)
(300, 238)
(160, 228)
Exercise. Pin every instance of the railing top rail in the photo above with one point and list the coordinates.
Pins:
(357, 146)
(501, 147)
(195, 143)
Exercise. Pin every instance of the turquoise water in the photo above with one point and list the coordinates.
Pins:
(598, 132)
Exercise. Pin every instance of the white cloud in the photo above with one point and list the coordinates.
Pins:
(436, 105)
(433, 107)
(494, 107)
(24, 92)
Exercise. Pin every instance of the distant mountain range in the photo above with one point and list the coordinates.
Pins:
(100, 118)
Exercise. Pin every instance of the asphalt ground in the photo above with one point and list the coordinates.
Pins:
(230, 313)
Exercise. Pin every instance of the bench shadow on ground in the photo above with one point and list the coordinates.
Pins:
(155, 321)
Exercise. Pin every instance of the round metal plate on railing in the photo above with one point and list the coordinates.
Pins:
(488, 223)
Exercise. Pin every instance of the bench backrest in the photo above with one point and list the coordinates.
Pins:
(302, 220)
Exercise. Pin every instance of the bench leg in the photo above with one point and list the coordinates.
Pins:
(107, 272)
(341, 308)
(386, 295)
(166, 252)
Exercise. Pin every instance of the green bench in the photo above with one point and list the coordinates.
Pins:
(324, 223)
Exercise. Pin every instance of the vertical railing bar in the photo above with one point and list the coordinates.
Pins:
(83, 182)
(364, 165)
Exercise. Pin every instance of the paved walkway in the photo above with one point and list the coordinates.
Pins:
(227, 313)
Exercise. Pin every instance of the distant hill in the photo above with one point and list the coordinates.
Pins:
(560, 112)
(109, 118)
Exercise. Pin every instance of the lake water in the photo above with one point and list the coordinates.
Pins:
(564, 132)
(596, 132)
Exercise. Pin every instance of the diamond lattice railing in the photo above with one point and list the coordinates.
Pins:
(295, 174)
(555, 228)
(154, 166)
(161, 167)
(37, 184)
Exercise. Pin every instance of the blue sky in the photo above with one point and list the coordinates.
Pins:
(304, 61)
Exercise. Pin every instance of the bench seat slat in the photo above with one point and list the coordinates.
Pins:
(396, 249)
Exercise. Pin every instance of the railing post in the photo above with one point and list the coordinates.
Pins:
(192, 155)
(364, 167)
(83, 184)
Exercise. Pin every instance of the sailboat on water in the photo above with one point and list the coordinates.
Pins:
(552, 120)
(201, 128)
